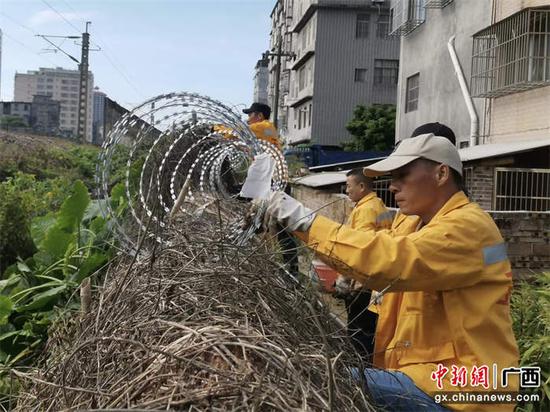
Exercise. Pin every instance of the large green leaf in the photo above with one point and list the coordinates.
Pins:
(6, 283)
(89, 266)
(42, 299)
(57, 241)
(94, 210)
(73, 208)
(6, 307)
(40, 226)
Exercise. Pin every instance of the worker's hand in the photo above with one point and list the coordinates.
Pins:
(286, 211)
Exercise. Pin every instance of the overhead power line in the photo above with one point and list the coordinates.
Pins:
(61, 15)
(109, 59)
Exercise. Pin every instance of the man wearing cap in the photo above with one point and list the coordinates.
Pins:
(258, 121)
(445, 314)
(369, 213)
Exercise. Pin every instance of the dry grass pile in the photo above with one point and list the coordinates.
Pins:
(202, 325)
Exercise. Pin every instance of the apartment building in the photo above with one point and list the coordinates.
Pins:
(280, 41)
(98, 134)
(340, 56)
(261, 81)
(61, 85)
(503, 47)
(17, 109)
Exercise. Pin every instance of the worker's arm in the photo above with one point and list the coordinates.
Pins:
(363, 218)
(440, 257)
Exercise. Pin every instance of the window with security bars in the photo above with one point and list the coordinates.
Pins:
(413, 86)
(362, 26)
(406, 16)
(512, 55)
(386, 71)
(521, 189)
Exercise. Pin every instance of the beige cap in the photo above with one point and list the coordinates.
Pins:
(426, 146)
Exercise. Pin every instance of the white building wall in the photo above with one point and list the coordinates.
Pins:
(424, 51)
(61, 85)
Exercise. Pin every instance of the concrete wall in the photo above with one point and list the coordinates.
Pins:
(521, 116)
(505, 8)
(424, 51)
(526, 233)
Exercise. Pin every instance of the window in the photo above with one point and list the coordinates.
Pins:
(512, 55)
(386, 71)
(383, 25)
(302, 78)
(310, 110)
(362, 26)
(412, 93)
(360, 75)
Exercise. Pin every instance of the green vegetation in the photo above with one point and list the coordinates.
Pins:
(9, 122)
(372, 128)
(531, 316)
(52, 236)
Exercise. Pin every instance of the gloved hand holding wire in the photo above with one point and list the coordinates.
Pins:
(286, 211)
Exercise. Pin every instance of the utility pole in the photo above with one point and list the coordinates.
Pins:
(83, 67)
(278, 54)
(83, 89)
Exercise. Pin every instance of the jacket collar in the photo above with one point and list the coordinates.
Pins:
(458, 200)
(365, 199)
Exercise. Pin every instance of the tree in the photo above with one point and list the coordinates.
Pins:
(372, 128)
(7, 122)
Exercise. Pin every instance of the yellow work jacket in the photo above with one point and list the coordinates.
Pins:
(369, 213)
(449, 297)
(265, 130)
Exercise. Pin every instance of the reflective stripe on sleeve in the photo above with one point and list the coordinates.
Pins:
(494, 254)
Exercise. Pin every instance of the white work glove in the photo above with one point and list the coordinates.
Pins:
(287, 212)
(342, 286)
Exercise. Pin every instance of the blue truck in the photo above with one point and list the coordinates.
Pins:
(315, 156)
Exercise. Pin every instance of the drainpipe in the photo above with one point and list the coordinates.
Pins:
(474, 120)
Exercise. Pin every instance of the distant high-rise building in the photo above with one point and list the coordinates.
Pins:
(98, 134)
(261, 80)
(61, 85)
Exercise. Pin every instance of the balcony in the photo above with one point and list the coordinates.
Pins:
(437, 4)
(512, 55)
(406, 16)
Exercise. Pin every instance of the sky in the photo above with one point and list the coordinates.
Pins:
(148, 47)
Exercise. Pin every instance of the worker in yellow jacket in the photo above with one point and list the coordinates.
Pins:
(258, 121)
(369, 213)
(444, 320)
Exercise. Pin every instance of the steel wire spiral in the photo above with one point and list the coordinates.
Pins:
(183, 154)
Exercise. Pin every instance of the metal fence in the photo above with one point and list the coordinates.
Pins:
(406, 15)
(512, 55)
(436, 4)
(382, 189)
(521, 189)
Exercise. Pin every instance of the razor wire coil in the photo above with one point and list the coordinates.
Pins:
(182, 152)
